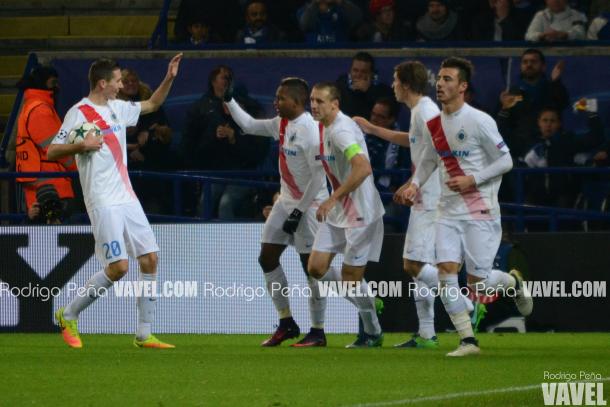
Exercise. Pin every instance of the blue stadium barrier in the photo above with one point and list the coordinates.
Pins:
(522, 212)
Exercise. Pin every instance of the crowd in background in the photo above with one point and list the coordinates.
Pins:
(529, 114)
(259, 22)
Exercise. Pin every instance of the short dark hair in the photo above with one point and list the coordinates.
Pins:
(333, 90)
(464, 67)
(101, 69)
(413, 74)
(297, 89)
(390, 104)
(215, 72)
(365, 57)
(534, 51)
(552, 109)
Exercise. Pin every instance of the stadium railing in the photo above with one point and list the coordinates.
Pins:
(516, 212)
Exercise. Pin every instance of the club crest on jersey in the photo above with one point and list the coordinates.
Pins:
(461, 136)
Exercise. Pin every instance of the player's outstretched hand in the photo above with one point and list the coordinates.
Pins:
(172, 69)
(92, 142)
(461, 183)
(364, 124)
(325, 208)
(292, 222)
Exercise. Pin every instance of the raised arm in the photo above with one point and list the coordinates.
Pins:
(248, 124)
(158, 97)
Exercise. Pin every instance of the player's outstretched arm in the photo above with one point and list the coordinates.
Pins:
(158, 97)
(248, 124)
(393, 136)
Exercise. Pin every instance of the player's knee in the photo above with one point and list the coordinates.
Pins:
(267, 263)
(411, 268)
(117, 270)
(316, 269)
(148, 263)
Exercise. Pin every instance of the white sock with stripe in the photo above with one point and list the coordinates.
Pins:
(97, 286)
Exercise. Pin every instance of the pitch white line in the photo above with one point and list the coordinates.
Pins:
(456, 395)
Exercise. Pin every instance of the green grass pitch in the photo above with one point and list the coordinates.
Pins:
(233, 370)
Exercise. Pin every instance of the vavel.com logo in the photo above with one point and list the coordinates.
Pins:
(573, 389)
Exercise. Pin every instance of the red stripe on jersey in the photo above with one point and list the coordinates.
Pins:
(111, 140)
(472, 197)
(348, 205)
(285, 173)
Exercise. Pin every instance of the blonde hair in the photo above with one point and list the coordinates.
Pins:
(144, 91)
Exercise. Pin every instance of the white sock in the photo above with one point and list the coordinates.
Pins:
(428, 275)
(366, 309)
(317, 304)
(147, 307)
(496, 279)
(96, 286)
(424, 305)
(276, 284)
(455, 305)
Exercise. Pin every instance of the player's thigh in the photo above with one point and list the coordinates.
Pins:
(305, 234)
(481, 242)
(420, 237)
(329, 239)
(139, 237)
(364, 244)
(272, 231)
(448, 243)
(107, 226)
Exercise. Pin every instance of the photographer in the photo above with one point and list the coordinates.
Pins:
(48, 208)
(38, 123)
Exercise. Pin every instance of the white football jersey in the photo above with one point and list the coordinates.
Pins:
(429, 194)
(299, 145)
(103, 173)
(363, 205)
(464, 143)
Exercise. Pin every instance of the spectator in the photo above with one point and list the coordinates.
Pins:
(384, 155)
(385, 26)
(329, 21)
(213, 141)
(360, 88)
(501, 21)
(439, 23)
(148, 146)
(557, 22)
(558, 148)
(200, 32)
(520, 105)
(222, 16)
(599, 28)
(37, 125)
(257, 29)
